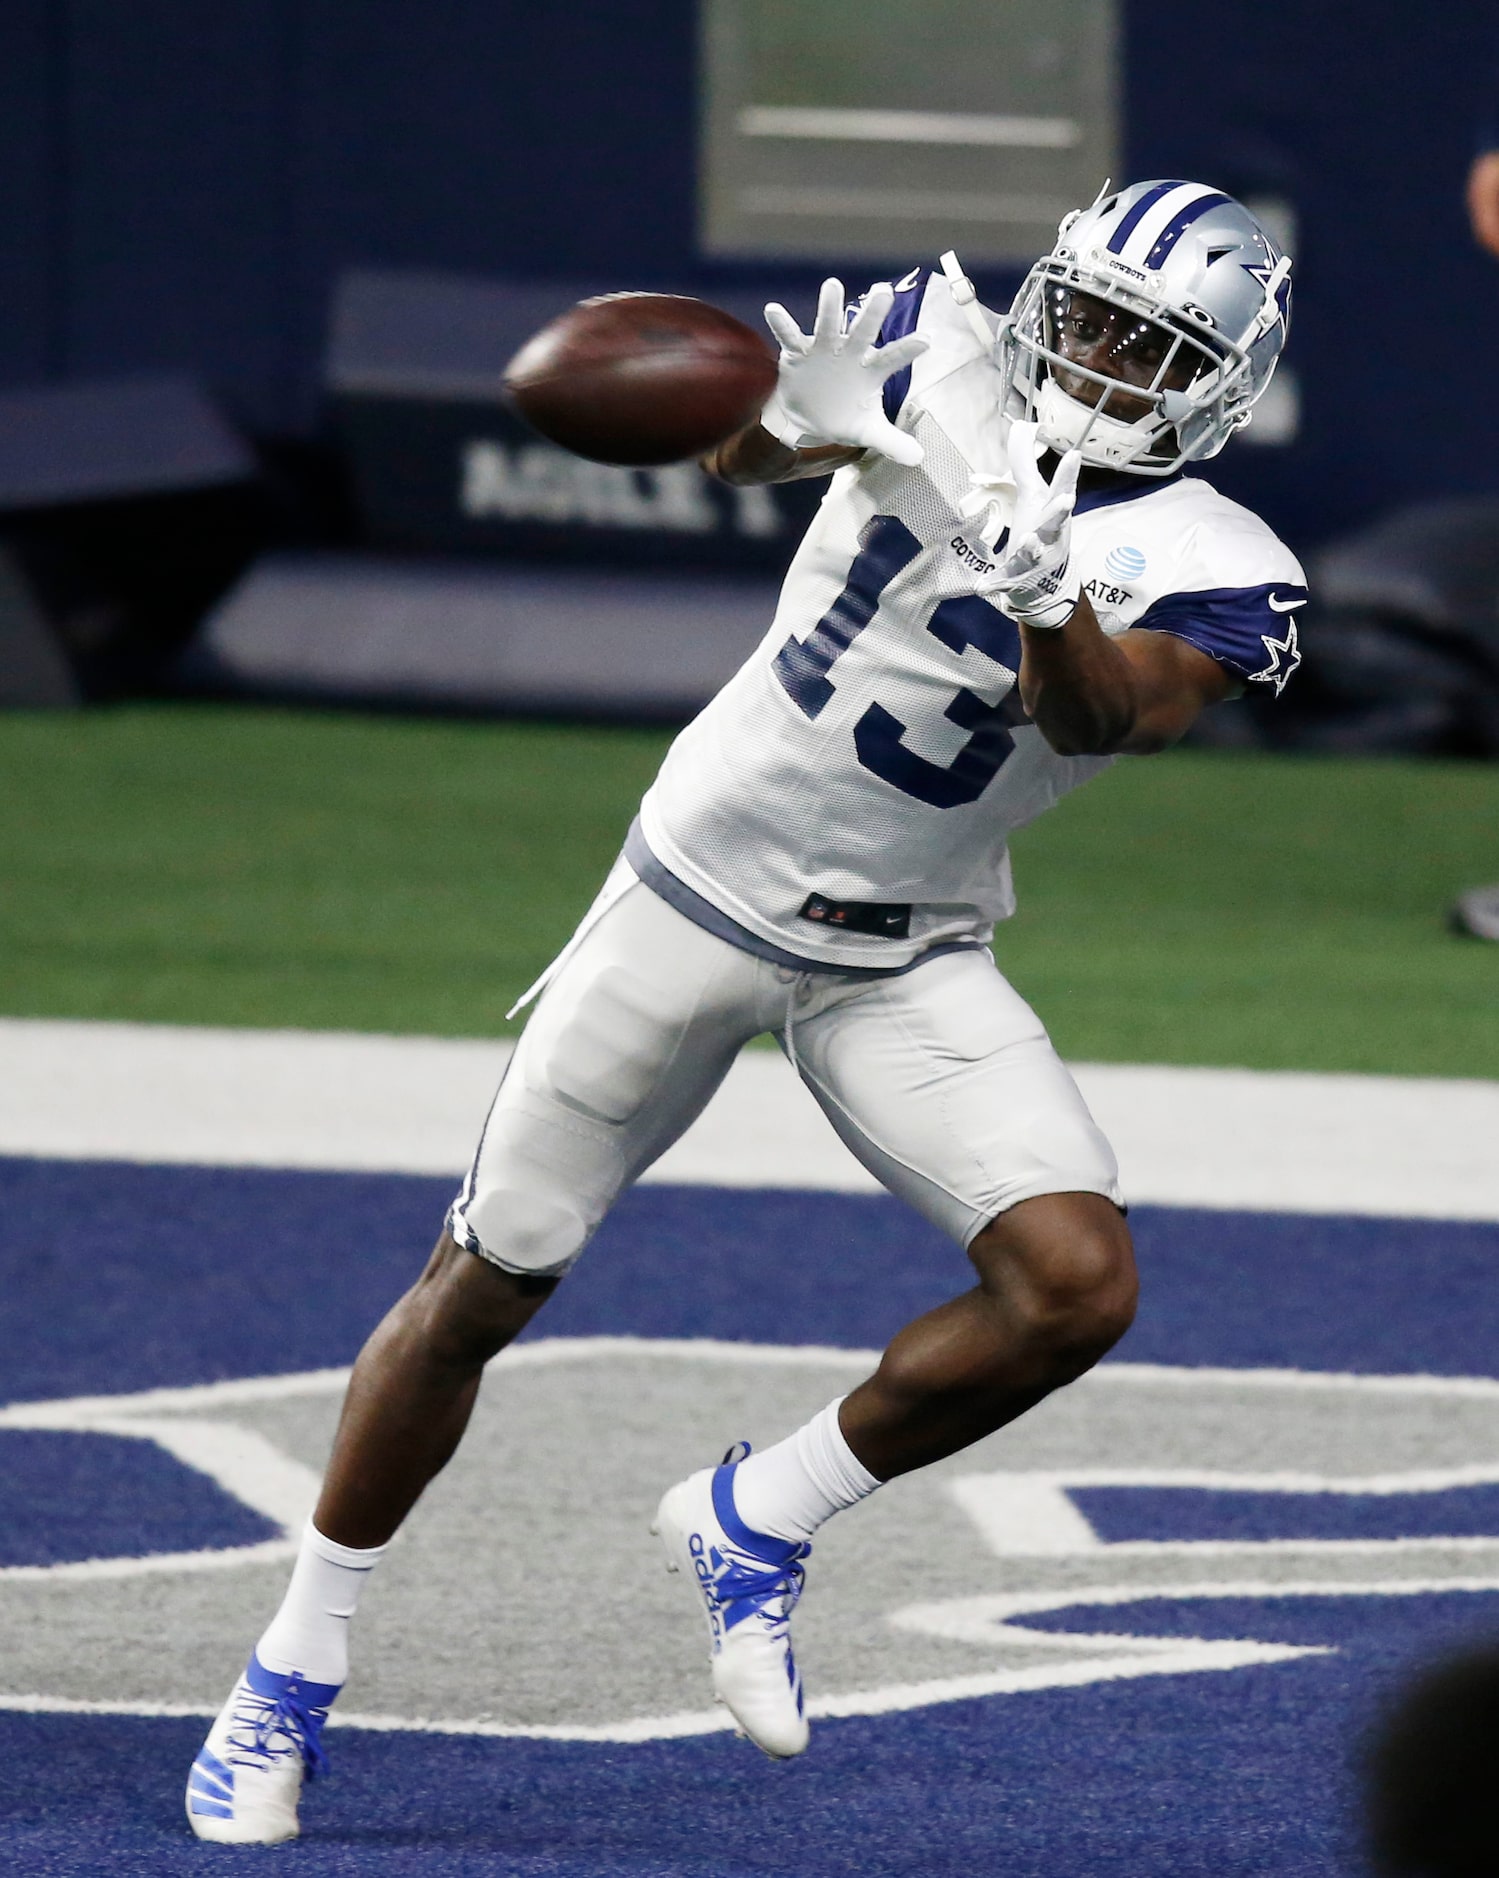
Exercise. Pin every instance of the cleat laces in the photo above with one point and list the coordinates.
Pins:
(755, 1585)
(260, 1722)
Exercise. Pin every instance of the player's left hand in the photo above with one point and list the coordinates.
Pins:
(1034, 581)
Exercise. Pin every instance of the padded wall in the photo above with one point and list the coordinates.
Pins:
(183, 184)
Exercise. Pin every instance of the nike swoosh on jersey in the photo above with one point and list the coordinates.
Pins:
(1282, 606)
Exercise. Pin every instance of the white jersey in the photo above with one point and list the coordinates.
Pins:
(871, 753)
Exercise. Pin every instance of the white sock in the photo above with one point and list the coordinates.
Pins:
(790, 1489)
(309, 1635)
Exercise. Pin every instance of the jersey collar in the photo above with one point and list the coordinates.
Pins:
(1125, 489)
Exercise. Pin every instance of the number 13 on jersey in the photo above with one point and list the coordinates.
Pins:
(886, 548)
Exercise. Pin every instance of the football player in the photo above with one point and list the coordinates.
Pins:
(1011, 581)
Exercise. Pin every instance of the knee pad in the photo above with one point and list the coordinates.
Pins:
(528, 1233)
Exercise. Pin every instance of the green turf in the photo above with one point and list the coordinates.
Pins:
(228, 866)
(1278, 912)
(217, 865)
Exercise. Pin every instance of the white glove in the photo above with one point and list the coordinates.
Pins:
(831, 383)
(1034, 581)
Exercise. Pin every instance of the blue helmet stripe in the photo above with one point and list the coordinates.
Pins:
(1179, 224)
(1137, 215)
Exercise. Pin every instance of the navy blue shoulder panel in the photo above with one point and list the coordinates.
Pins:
(1251, 630)
(910, 291)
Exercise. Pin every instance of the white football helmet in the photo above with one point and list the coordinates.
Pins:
(1145, 336)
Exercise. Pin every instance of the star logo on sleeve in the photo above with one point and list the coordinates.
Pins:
(1284, 654)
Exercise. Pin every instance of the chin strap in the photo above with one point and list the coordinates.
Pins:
(965, 295)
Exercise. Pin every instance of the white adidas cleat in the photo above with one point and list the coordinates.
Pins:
(749, 1583)
(247, 1779)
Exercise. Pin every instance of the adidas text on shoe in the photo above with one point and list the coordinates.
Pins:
(748, 1583)
(247, 1779)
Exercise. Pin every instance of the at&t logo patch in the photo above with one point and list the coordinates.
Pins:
(1125, 563)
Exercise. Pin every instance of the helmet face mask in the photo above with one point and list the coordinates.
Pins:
(1145, 336)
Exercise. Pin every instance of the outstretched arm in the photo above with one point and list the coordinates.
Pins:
(754, 456)
(1090, 695)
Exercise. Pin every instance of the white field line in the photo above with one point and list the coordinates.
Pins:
(641, 1728)
(980, 1620)
(1031, 1513)
(961, 1616)
(1153, 1375)
(1211, 1480)
(1251, 1549)
(987, 1619)
(153, 1564)
(1218, 1138)
(241, 1461)
(1184, 1659)
(90, 1410)
(87, 1411)
(1180, 1658)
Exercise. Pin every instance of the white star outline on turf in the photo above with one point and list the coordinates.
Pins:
(1024, 1522)
(1285, 654)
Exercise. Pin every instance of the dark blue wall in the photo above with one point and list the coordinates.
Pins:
(1364, 114)
(181, 184)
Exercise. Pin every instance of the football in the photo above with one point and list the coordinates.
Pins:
(641, 378)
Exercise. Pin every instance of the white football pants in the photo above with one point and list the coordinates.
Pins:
(942, 1081)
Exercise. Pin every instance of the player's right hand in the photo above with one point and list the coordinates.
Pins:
(831, 384)
(1034, 581)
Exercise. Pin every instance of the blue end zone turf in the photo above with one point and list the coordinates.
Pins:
(1184, 1777)
(73, 1496)
(124, 1277)
(1125, 1513)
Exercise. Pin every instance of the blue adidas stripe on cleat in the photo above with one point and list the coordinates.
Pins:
(210, 1787)
(246, 1783)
